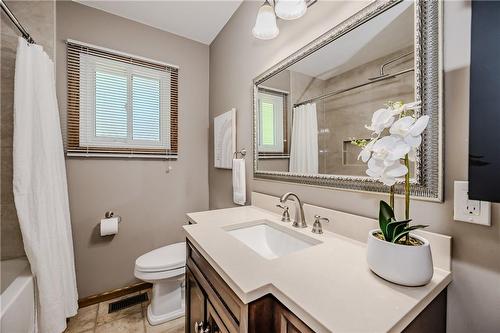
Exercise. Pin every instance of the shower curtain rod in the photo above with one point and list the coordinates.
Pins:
(336, 92)
(18, 25)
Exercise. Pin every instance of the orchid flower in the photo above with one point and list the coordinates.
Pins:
(389, 149)
(381, 119)
(366, 152)
(410, 131)
(400, 108)
(378, 170)
(384, 163)
(384, 153)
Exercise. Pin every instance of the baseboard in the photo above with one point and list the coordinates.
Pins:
(94, 299)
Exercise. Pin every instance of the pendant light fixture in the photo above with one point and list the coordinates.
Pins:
(290, 9)
(265, 24)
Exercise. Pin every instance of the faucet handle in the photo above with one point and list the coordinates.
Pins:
(285, 217)
(317, 227)
(282, 206)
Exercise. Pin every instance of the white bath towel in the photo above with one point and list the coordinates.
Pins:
(40, 188)
(239, 184)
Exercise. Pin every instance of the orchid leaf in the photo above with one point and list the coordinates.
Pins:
(391, 226)
(399, 236)
(396, 227)
(407, 230)
(385, 216)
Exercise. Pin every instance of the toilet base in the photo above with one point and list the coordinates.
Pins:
(157, 320)
(167, 300)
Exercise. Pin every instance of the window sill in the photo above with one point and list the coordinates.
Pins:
(273, 156)
(118, 155)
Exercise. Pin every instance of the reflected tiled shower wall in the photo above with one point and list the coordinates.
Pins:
(347, 113)
(342, 117)
(38, 17)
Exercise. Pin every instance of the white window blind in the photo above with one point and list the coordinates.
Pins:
(120, 105)
(271, 122)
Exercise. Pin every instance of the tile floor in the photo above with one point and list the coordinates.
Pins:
(96, 319)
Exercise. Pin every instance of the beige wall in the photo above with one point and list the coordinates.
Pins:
(38, 17)
(236, 58)
(151, 202)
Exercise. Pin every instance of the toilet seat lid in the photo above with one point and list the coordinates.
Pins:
(163, 259)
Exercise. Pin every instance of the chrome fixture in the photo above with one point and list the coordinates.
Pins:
(16, 22)
(382, 67)
(199, 327)
(265, 24)
(242, 153)
(317, 227)
(373, 80)
(110, 214)
(300, 220)
(285, 216)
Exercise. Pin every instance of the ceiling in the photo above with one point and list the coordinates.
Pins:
(387, 33)
(199, 20)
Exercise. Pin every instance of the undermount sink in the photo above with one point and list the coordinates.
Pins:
(269, 239)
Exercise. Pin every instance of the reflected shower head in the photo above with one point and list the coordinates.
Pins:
(381, 76)
(378, 77)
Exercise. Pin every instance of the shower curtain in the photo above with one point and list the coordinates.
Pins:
(40, 188)
(304, 146)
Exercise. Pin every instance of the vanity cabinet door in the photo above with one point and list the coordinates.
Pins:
(287, 322)
(196, 305)
(215, 324)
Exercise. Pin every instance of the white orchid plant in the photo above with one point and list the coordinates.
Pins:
(396, 136)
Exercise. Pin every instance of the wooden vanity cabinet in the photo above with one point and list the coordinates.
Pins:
(195, 303)
(212, 307)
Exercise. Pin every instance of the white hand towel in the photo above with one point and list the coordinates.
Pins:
(239, 185)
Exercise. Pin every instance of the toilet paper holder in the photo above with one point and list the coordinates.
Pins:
(109, 214)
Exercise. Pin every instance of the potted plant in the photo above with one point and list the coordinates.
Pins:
(394, 253)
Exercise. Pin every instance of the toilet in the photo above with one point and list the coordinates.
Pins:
(164, 268)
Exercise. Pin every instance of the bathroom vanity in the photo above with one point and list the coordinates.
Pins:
(249, 272)
(213, 307)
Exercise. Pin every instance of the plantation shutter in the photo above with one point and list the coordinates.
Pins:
(120, 105)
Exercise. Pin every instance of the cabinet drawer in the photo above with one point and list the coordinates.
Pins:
(222, 298)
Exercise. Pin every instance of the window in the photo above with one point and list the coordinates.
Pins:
(271, 122)
(120, 105)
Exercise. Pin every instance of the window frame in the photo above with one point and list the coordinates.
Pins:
(89, 113)
(81, 115)
(279, 123)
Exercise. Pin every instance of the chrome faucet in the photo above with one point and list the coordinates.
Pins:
(300, 220)
(285, 216)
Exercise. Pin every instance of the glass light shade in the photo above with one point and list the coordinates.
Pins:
(290, 9)
(265, 24)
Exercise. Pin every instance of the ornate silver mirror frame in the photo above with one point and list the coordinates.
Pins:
(428, 180)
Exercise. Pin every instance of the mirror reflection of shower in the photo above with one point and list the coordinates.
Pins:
(342, 84)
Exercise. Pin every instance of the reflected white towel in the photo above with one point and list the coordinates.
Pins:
(239, 185)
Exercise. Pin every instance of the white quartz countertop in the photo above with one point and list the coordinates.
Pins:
(329, 285)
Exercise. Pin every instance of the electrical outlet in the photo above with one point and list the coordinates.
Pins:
(474, 207)
(466, 210)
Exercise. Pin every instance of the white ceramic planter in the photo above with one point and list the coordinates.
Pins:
(401, 264)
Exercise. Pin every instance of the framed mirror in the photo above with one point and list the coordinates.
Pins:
(311, 106)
